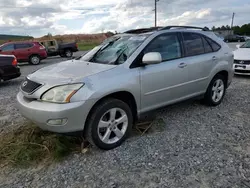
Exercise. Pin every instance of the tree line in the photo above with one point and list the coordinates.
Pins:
(239, 30)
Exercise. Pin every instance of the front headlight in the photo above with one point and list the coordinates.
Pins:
(61, 94)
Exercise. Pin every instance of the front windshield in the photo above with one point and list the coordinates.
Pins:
(118, 50)
(246, 45)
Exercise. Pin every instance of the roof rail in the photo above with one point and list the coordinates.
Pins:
(188, 27)
(143, 30)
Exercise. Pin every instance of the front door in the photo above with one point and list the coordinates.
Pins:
(162, 83)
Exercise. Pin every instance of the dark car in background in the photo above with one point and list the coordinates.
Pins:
(54, 48)
(234, 38)
(8, 67)
(32, 52)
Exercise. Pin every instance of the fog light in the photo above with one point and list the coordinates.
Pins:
(57, 121)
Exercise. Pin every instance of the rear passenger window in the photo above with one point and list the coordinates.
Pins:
(193, 44)
(207, 46)
(21, 46)
(214, 45)
(167, 45)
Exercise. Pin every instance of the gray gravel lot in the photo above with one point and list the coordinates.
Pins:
(194, 146)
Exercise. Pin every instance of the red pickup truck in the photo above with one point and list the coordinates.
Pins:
(32, 52)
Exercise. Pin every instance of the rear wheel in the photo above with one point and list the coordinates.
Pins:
(109, 124)
(68, 53)
(34, 60)
(215, 91)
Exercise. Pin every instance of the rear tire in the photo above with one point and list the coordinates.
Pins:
(215, 91)
(68, 53)
(109, 124)
(35, 60)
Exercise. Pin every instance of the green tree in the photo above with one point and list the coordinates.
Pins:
(228, 27)
(223, 27)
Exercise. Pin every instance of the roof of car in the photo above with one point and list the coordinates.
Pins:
(18, 42)
(155, 29)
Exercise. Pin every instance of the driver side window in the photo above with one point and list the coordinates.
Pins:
(167, 45)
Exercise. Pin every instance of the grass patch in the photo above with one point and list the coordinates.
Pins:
(86, 46)
(29, 145)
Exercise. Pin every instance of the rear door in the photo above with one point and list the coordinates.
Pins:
(7, 49)
(23, 51)
(199, 60)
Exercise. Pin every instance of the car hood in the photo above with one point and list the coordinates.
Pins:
(242, 54)
(68, 72)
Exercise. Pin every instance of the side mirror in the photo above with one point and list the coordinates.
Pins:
(152, 58)
(238, 46)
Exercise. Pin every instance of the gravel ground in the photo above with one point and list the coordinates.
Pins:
(194, 146)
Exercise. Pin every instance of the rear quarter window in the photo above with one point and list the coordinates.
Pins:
(215, 46)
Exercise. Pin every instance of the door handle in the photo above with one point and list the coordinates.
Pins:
(214, 58)
(182, 65)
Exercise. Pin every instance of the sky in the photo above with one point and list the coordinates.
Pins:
(39, 17)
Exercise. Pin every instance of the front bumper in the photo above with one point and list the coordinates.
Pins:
(41, 112)
(242, 69)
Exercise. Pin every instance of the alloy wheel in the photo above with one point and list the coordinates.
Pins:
(218, 90)
(68, 53)
(112, 126)
(35, 60)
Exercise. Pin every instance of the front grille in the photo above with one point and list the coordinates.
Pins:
(242, 62)
(29, 86)
(242, 71)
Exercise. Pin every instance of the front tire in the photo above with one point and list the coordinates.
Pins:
(215, 91)
(109, 124)
(35, 60)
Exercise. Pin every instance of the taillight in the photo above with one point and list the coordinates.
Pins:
(14, 62)
(76, 45)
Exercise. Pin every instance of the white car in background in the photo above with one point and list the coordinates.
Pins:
(247, 38)
(242, 59)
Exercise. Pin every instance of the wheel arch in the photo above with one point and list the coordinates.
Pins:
(224, 73)
(68, 48)
(124, 96)
(34, 54)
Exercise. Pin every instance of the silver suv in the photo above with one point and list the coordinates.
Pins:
(103, 93)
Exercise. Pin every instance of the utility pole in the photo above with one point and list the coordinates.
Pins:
(156, 12)
(232, 23)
